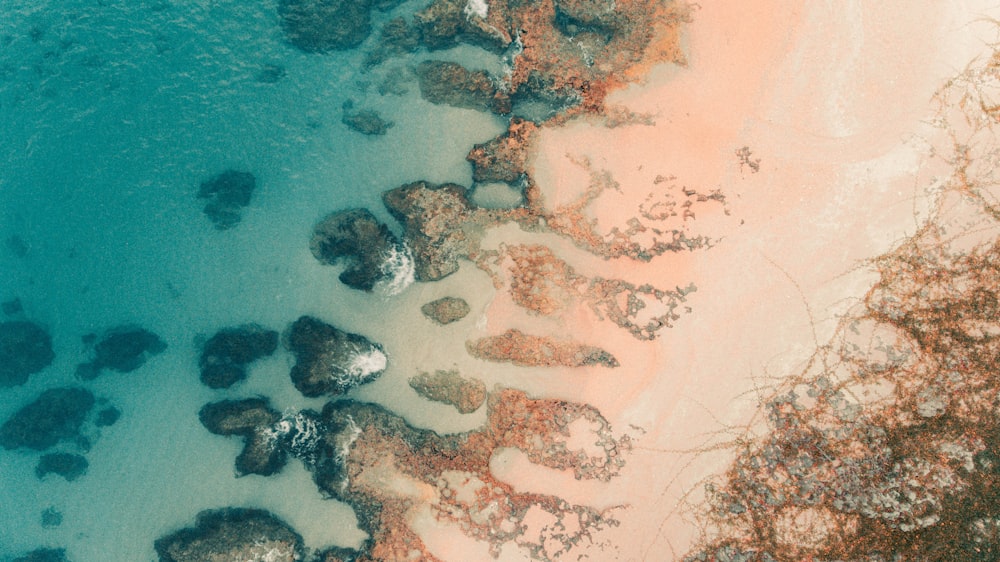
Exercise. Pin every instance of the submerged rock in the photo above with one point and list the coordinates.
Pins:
(446, 310)
(44, 555)
(227, 192)
(231, 534)
(319, 26)
(357, 238)
(225, 355)
(51, 518)
(12, 307)
(449, 83)
(331, 361)
(526, 350)
(67, 465)
(55, 415)
(107, 417)
(339, 554)
(25, 349)
(17, 246)
(448, 387)
(123, 349)
(251, 419)
(364, 121)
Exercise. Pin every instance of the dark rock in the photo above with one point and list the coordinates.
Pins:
(337, 554)
(51, 518)
(356, 237)
(441, 225)
(446, 310)
(123, 349)
(67, 465)
(271, 73)
(364, 121)
(232, 534)
(331, 361)
(396, 38)
(17, 246)
(55, 415)
(227, 192)
(107, 417)
(12, 307)
(25, 349)
(446, 23)
(449, 83)
(44, 555)
(318, 26)
(225, 355)
(254, 420)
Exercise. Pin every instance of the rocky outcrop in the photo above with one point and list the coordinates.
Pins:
(331, 361)
(364, 121)
(227, 194)
(68, 465)
(505, 158)
(526, 350)
(123, 349)
(357, 238)
(56, 415)
(448, 387)
(254, 420)
(440, 225)
(449, 83)
(320, 26)
(25, 349)
(232, 534)
(225, 356)
(446, 23)
(446, 310)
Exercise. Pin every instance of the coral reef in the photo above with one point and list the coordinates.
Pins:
(331, 361)
(227, 194)
(448, 387)
(25, 349)
(356, 237)
(446, 310)
(252, 535)
(527, 350)
(123, 349)
(225, 356)
(68, 465)
(55, 415)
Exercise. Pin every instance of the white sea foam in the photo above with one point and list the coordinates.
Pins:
(477, 8)
(399, 268)
(366, 365)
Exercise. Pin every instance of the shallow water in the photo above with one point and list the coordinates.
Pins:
(114, 113)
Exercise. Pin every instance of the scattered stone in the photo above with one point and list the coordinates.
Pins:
(331, 361)
(440, 225)
(364, 121)
(12, 307)
(446, 310)
(17, 246)
(25, 349)
(225, 355)
(356, 237)
(51, 518)
(251, 419)
(525, 350)
(449, 83)
(122, 349)
(54, 416)
(44, 555)
(227, 192)
(107, 417)
(232, 534)
(448, 387)
(271, 74)
(68, 465)
(320, 26)
(505, 158)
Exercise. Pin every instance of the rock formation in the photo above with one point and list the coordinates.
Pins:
(448, 387)
(526, 350)
(123, 349)
(25, 349)
(331, 361)
(446, 310)
(56, 415)
(225, 356)
(68, 465)
(233, 534)
(319, 26)
(357, 238)
(227, 194)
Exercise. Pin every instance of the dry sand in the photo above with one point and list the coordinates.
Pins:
(833, 100)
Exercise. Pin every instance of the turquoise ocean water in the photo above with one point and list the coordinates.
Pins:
(113, 112)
